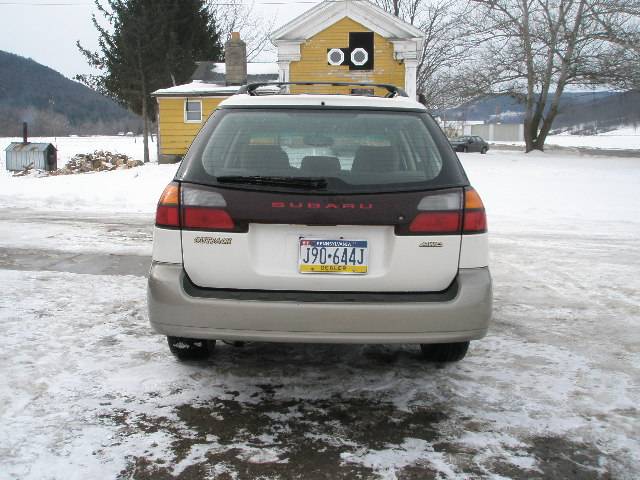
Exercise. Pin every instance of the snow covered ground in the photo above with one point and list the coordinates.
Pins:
(134, 190)
(88, 391)
(621, 139)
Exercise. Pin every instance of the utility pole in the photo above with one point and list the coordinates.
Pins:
(53, 121)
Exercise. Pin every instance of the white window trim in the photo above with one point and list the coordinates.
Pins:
(185, 111)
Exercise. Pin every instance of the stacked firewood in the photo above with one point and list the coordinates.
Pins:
(98, 161)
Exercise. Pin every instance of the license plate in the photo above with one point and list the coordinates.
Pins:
(333, 256)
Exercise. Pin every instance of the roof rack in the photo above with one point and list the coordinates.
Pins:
(394, 91)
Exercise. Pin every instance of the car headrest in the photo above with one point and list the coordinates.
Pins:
(320, 165)
(262, 157)
(374, 160)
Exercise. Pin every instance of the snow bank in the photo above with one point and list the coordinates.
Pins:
(625, 131)
(625, 138)
(122, 191)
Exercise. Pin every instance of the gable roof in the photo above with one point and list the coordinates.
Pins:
(28, 147)
(329, 12)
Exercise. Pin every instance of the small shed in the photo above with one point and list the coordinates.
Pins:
(41, 156)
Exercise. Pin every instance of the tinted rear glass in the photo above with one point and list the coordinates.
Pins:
(354, 150)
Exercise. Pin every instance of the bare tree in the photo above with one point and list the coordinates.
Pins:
(535, 49)
(620, 27)
(440, 83)
(236, 16)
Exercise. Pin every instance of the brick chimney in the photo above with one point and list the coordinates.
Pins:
(235, 59)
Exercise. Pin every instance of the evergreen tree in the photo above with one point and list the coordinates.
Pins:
(150, 44)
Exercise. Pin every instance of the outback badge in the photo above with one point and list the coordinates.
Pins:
(213, 240)
(430, 244)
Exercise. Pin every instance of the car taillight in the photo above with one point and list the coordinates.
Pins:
(436, 222)
(439, 213)
(475, 218)
(168, 210)
(206, 218)
(204, 210)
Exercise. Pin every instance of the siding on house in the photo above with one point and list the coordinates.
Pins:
(175, 134)
(314, 66)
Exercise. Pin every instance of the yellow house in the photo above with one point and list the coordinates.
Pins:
(349, 41)
(183, 109)
(335, 41)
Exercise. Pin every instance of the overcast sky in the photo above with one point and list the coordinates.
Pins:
(47, 30)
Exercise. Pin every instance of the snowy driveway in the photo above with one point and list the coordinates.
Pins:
(87, 391)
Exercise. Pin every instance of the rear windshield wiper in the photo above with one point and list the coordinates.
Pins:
(311, 183)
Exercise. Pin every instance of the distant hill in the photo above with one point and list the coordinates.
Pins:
(53, 104)
(579, 111)
(600, 114)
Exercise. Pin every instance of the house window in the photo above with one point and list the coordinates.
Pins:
(193, 111)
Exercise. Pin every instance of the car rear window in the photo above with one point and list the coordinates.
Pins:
(354, 150)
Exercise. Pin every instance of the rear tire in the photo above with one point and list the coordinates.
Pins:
(444, 352)
(190, 348)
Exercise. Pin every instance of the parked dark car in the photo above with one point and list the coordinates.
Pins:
(469, 143)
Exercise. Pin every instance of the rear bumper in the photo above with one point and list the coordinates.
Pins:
(177, 308)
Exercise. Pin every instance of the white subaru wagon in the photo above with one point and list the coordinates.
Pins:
(320, 218)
